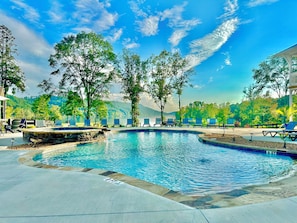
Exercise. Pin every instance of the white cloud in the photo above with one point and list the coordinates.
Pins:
(115, 35)
(254, 3)
(129, 44)
(177, 36)
(30, 13)
(231, 7)
(56, 14)
(149, 26)
(202, 49)
(92, 13)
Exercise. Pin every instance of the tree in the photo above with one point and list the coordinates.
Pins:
(181, 72)
(161, 79)
(272, 75)
(41, 107)
(87, 64)
(72, 105)
(133, 77)
(11, 75)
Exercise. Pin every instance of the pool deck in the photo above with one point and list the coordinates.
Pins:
(29, 194)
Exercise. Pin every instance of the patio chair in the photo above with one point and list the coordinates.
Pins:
(158, 122)
(146, 122)
(212, 122)
(170, 122)
(116, 122)
(87, 122)
(230, 122)
(104, 122)
(198, 122)
(289, 128)
(185, 122)
(72, 122)
(8, 126)
(129, 122)
(58, 123)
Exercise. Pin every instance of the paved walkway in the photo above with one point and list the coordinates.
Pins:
(32, 195)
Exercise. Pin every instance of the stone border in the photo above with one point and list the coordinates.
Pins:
(247, 195)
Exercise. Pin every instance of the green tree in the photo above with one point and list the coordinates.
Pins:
(55, 113)
(11, 75)
(161, 79)
(72, 105)
(41, 107)
(87, 64)
(133, 77)
(181, 73)
(100, 109)
(272, 74)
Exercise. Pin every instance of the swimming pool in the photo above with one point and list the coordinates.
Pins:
(175, 160)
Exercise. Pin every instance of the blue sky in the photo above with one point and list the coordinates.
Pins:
(225, 39)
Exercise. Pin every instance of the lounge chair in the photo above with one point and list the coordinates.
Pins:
(22, 123)
(158, 122)
(170, 122)
(58, 123)
(8, 126)
(87, 122)
(289, 128)
(116, 122)
(230, 122)
(129, 122)
(185, 121)
(104, 122)
(146, 122)
(198, 122)
(212, 122)
(72, 122)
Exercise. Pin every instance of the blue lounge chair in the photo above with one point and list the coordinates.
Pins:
(170, 122)
(87, 122)
(212, 122)
(198, 122)
(146, 122)
(230, 122)
(129, 122)
(116, 122)
(104, 122)
(72, 122)
(58, 123)
(185, 122)
(158, 122)
(289, 128)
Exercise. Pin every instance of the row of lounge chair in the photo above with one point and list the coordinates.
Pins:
(212, 122)
(289, 131)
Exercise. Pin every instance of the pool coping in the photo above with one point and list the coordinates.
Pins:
(247, 195)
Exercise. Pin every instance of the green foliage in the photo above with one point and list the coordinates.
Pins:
(55, 113)
(87, 65)
(133, 77)
(72, 105)
(11, 76)
(41, 108)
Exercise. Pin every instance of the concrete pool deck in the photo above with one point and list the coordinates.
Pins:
(30, 194)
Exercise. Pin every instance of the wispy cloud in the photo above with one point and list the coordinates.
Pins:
(115, 35)
(231, 7)
(254, 3)
(94, 15)
(56, 13)
(29, 13)
(129, 44)
(202, 49)
(149, 26)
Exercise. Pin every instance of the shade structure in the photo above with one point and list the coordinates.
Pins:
(2, 98)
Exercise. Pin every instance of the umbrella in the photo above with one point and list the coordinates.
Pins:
(2, 98)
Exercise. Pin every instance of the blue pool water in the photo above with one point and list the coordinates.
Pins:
(175, 160)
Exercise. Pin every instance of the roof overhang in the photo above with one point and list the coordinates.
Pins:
(290, 52)
(2, 98)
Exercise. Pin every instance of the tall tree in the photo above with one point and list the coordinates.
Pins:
(72, 105)
(181, 72)
(41, 108)
(161, 80)
(133, 77)
(272, 75)
(11, 76)
(87, 64)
